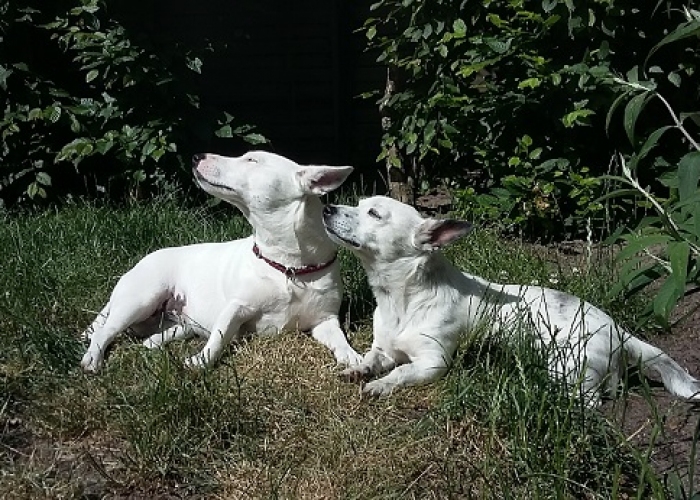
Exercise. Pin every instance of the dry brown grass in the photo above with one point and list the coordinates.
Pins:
(326, 441)
(317, 437)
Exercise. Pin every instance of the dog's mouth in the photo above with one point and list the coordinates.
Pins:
(343, 240)
(203, 180)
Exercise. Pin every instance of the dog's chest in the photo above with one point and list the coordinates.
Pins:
(393, 316)
(298, 306)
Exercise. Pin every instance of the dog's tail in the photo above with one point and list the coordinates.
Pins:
(676, 380)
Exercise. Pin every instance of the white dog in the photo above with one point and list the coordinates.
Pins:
(424, 302)
(284, 276)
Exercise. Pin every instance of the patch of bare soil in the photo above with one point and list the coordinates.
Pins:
(437, 201)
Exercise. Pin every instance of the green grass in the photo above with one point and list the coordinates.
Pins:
(272, 420)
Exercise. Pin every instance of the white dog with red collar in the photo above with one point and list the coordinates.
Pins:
(284, 276)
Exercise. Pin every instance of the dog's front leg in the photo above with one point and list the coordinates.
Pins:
(418, 372)
(331, 335)
(226, 327)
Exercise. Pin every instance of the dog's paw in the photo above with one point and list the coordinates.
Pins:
(355, 374)
(91, 362)
(378, 389)
(349, 358)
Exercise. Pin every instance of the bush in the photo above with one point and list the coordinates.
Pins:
(505, 101)
(663, 247)
(118, 110)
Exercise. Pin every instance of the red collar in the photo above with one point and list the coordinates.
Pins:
(291, 272)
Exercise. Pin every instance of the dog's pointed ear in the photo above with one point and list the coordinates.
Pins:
(433, 234)
(322, 180)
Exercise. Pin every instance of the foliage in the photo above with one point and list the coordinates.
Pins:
(86, 101)
(504, 100)
(663, 247)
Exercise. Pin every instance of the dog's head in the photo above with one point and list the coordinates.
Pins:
(262, 182)
(384, 229)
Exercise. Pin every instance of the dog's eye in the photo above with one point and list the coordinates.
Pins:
(252, 160)
(374, 214)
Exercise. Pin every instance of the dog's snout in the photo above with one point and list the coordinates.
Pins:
(329, 210)
(196, 158)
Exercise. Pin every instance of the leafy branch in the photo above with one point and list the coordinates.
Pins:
(663, 247)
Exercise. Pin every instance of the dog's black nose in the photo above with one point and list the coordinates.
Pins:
(329, 210)
(197, 158)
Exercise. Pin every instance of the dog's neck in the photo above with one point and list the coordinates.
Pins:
(293, 235)
(401, 280)
(401, 276)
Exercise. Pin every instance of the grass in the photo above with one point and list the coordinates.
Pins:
(272, 420)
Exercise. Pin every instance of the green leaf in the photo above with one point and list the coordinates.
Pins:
(548, 5)
(633, 74)
(226, 132)
(33, 190)
(103, 145)
(679, 252)
(429, 132)
(74, 124)
(665, 300)
(530, 82)
(575, 117)
(675, 79)
(634, 281)
(688, 175)
(636, 244)
(148, 149)
(4, 75)
(693, 200)
(195, 64)
(651, 142)
(139, 175)
(92, 74)
(632, 110)
(685, 30)
(694, 116)
(498, 46)
(255, 139)
(371, 32)
(53, 113)
(496, 20)
(43, 178)
(673, 287)
(460, 28)
(619, 193)
(35, 114)
(612, 109)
